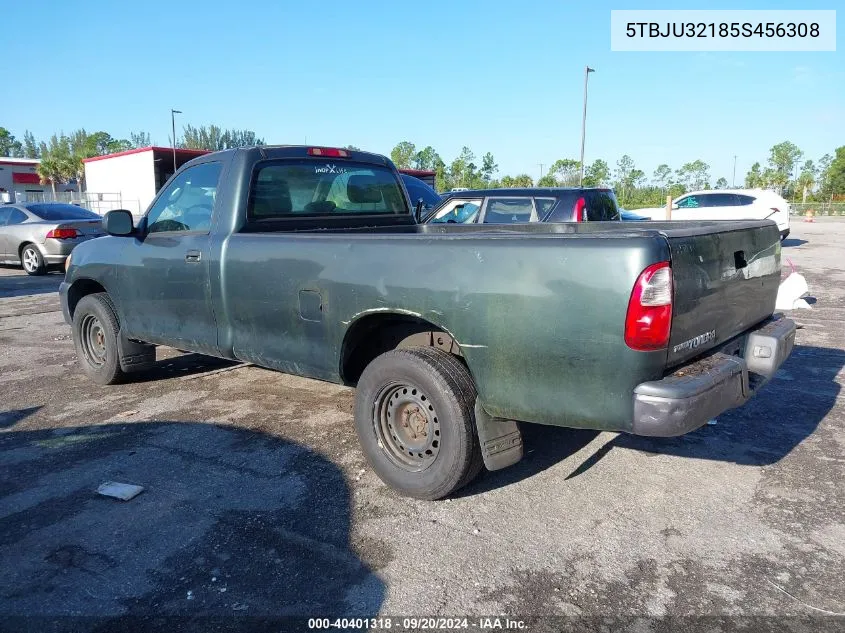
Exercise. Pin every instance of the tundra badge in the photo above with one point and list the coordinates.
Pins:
(694, 342)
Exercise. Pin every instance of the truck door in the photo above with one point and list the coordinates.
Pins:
(164, 288)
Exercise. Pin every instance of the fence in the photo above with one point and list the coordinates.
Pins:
(97, 202)
(820, 208)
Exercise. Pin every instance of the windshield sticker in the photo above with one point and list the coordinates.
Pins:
(330, 169)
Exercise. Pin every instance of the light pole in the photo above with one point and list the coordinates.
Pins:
(173, 114)
(733, 180)
(587, 71)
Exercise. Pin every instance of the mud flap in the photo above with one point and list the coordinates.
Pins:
(135, 356)
(500, 439)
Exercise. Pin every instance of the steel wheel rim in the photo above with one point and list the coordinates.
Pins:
(93, 341)
(406, 426)
(30, 260)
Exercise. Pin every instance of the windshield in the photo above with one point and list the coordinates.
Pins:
(52, 212)
(297, 188)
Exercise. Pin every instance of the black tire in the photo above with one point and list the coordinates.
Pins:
(95, 336)
(431, 396)
(32, 261)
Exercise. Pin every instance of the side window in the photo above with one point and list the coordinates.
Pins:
(187, 202)
(744, 200)
(16, 217)
(718, 200)
(458, 212)
(510, 211)
(543, 205)
(689, 202)
(4, 216)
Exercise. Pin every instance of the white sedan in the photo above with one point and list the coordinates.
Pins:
(727, 204)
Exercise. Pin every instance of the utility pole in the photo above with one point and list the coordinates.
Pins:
(587, 71)
(733, 180)
(541, 170)
(173, 114)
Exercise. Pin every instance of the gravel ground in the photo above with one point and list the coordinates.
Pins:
(258, 502)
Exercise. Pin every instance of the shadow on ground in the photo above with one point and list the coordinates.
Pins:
(793, 241)
(232, 525)
(186, 364)
(23, 284)
(776, 420)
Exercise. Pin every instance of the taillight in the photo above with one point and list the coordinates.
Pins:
(579, 209)
(63, 234)
(331, 152)
(649, 317)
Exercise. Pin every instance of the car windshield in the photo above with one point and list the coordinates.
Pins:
(53, 212)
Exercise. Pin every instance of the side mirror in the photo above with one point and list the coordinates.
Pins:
(418, 211)
(118, 223)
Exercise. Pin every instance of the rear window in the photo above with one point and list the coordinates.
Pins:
(58, 211)
(601, 207)
(313, 188)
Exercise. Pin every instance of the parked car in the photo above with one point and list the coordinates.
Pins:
(418, 190)
(41, 234)
(311, 262)
(521, 205)
(630, 216)
(728, 204)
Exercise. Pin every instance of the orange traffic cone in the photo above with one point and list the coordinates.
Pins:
(808, 215)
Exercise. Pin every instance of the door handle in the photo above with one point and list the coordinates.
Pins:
(193, 256)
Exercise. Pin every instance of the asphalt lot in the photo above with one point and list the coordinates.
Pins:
(258, 501)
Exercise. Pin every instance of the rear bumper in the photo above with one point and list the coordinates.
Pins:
(701, 390)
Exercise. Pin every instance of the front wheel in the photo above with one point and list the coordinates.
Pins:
(33, 261)
(95, 336)
(415, 420)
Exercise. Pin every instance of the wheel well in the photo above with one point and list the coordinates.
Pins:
(373, 335)
(21, 247)
(79, 289)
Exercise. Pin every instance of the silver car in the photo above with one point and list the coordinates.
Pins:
(42, 234)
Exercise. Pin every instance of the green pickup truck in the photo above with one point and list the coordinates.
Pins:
(310, 261)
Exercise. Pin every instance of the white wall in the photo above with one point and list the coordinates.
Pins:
(132, 176)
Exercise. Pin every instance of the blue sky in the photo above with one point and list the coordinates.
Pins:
(504, 77)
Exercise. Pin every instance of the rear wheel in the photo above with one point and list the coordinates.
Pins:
(32, 260)
(415, 420)
(95, 336)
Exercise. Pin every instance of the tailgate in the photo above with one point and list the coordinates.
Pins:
(726, 277)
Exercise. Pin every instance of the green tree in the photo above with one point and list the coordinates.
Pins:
(662, 176)
(722, 183)
(597, 174)
(624, 168)
(137, 140)
(353, 148)
(511, 182)
(9, 146)
(30, 147)
(213, 138)
(694, 175)
(426, 159)
(754, 177)
(488, 167)
(403, 154)
(836, 173)
(57, 163)
(824, 176)
(565, 172)
(782, 160)
(807, 179)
